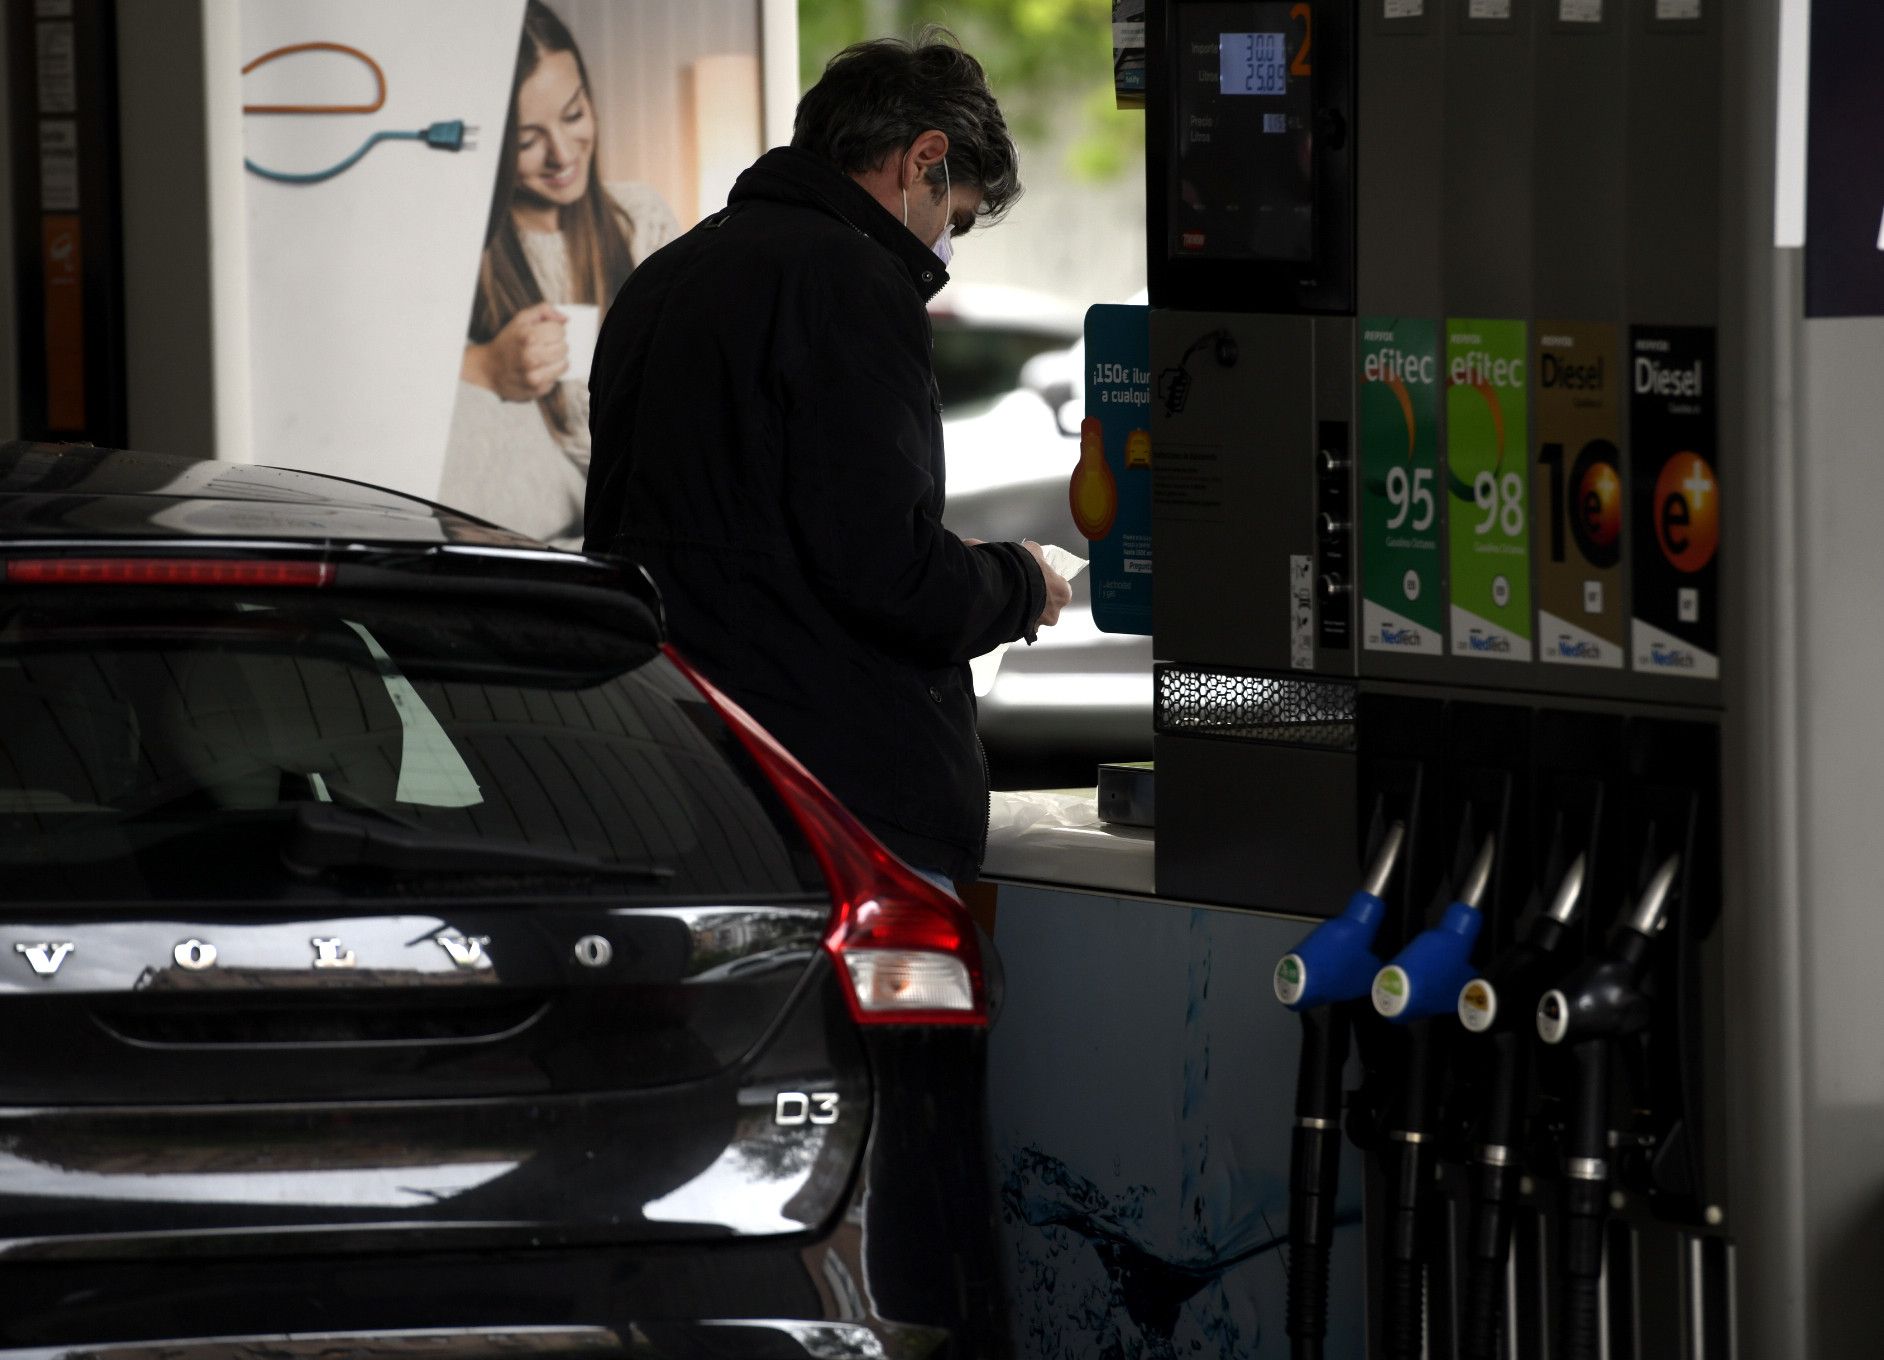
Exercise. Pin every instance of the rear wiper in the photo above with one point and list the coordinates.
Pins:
(325, 837)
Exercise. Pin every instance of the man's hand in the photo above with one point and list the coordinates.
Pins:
(1059, 590)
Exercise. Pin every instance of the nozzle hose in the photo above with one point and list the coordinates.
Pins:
(1488, 1246)
(1315, 1174)
(1315, 1170)
(1585, 1204)
(1404, 1321)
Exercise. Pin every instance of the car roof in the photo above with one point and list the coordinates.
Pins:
(66, 491)
(1002, 306)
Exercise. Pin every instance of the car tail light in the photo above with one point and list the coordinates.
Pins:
(162, 571)
(906, 948)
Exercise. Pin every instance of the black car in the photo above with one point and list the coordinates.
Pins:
(403, 951)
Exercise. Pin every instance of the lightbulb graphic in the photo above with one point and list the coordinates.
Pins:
(1599, 505)
(1687, 512)
(1092, 493)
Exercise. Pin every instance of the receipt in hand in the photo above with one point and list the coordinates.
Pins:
(988, 665)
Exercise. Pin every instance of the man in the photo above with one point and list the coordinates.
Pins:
(767, 441)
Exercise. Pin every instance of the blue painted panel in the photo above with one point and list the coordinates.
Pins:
(1141, 1090)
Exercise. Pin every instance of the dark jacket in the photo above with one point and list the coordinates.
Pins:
(767, 441)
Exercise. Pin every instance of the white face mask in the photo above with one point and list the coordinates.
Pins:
(943, 245)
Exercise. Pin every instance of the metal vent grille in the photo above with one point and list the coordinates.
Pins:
(1249, 707)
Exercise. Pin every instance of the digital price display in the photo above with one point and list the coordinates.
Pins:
(1252, 63)
(1242, 176)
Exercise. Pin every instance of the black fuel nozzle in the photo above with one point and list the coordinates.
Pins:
(1603, 998)
(1321, 979)
(1599, 1003)
(1504, 997)
(1500, 1004)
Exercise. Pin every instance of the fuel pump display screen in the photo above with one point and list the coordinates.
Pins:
(1252, 63)
(1242, 170)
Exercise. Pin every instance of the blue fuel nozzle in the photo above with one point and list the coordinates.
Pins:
(1426, 976)
(1336, 962)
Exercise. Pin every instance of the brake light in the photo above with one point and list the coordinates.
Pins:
(906, 947)
(162, 571)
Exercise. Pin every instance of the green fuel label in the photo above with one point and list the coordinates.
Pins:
(1487, 438)
(1401, 605)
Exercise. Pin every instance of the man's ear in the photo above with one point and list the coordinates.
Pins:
(924, 154)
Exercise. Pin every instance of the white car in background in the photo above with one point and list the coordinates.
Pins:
(1008, 363)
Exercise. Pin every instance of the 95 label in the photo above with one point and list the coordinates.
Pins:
(1402, 604)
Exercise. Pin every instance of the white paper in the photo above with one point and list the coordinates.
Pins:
(988, 665)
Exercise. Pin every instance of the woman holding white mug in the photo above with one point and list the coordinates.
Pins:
(558, 247)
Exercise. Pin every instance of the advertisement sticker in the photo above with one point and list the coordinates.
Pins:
(1577, 489)
(1487, 434)
(1110, 488)
(1402, 603)
(448, 249)
(1674, 502)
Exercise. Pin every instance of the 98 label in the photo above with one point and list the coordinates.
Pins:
(1487, 457)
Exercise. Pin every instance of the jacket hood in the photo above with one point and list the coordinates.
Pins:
(787, 174)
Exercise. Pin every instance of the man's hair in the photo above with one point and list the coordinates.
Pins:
(877, 97)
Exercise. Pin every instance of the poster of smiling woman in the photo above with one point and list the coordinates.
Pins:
(422, 312)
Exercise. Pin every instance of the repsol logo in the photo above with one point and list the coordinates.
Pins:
(1387, 364)
(1578, 651)
(1675, 658)
(1399, 637)
(1481, 642)
(1654, 377)
(1561, 373)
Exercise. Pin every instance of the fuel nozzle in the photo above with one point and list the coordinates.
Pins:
(1603, 999)
(1335, 961)
(1599, 1003)
(1518, 976)
(1496, 1006)
(1331, 966)
(1425, 977)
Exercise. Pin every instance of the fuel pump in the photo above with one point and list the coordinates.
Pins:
(1599, 1004)
(1421, 982)
(1467, 472)
(1329, 971)
(1500, 1005)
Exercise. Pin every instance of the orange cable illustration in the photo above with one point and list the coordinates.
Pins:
(379, 75)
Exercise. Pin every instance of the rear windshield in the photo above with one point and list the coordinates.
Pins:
(977, 365)
(251, 744)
